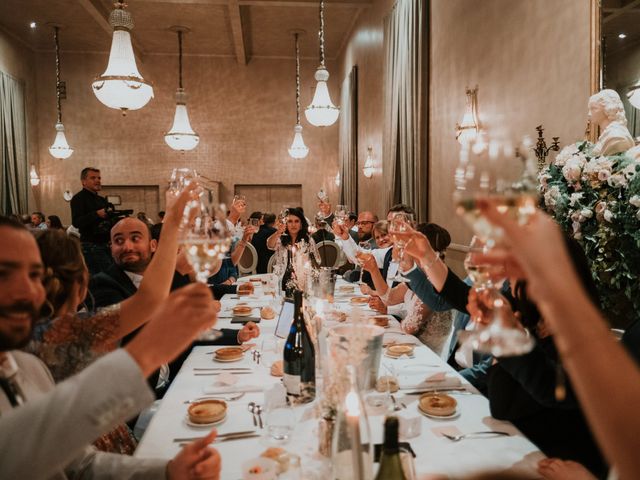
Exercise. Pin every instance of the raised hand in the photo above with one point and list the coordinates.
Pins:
(340, 230)
(196, 460)
(376, 303)
(249, 331)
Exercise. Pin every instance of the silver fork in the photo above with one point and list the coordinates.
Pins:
(457, 438)
(259, 413)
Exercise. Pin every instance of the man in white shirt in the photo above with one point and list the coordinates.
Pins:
(46, 429)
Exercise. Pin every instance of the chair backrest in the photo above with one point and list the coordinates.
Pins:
(330, 253)
(248, 260)
(271, 262)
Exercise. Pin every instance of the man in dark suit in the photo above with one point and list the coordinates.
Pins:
(259, 241)
(131, 249)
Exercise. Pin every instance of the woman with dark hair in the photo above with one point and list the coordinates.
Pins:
(295, 232)
(53, 222)
(431, 327)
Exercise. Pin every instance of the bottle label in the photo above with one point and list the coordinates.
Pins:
(291, 383)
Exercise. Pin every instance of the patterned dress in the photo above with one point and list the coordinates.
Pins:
(431, 328)
(70, 343)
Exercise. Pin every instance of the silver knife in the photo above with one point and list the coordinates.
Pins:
(221, 368)
(228, 439)
(208, 374)
(221, 435)
(435, 390)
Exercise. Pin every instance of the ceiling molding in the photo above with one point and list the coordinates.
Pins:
(93, 8)
(236, 31)
(268, 3)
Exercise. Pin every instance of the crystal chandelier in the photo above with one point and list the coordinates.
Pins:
(467, 131)
(121, 86)
(181, 136)
(298, 149)
(60, 147)
(34, 179)
(322, 112)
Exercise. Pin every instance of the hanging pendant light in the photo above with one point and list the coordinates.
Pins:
(322, 112)
(181, 136)
(121, 86)
(34, 179)
(467, 130)
(60, 147)
(298, 149)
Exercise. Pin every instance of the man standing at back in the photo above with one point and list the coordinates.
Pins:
(89, 216)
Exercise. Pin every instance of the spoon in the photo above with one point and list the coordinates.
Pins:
(252, 408)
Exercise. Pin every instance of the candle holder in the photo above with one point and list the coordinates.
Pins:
(542, 150)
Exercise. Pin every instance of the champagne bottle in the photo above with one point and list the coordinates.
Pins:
(390, 463)
(299, 362)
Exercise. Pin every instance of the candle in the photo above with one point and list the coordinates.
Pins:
(353, 423)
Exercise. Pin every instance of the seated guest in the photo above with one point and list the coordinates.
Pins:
(80, 409)
(37, 221)
(259, 241)
(227, 275)
(132, 250)
(365, 223)
(257, 216)
(350, 223)
(53, 221)
(522, 389)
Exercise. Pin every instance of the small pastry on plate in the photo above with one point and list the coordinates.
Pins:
(399, 350)
(359, 300)
(277, 369)
(379, 320)
(207, 411)
(437, 404)
(242, 310)
(245, 289)
(228, 354)
(279, 455)
(387, 383)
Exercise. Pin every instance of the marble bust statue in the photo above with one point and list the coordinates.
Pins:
(606, 111)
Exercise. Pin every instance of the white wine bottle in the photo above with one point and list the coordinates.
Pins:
(390, 463)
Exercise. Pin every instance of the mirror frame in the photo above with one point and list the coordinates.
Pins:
(595, 80)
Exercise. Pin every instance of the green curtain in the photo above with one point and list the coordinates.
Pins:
(348, 146)
(404, 149)
(13, 147)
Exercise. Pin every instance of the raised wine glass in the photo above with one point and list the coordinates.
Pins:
(362, 255)
(491, 171)
(400, 223)
(341, 214)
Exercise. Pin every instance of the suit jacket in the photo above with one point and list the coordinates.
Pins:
(49, 436)
(259, 241)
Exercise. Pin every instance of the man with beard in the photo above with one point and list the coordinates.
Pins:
(131, 249)
(365, 223)
(46, 429)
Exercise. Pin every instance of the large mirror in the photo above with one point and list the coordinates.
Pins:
(620, 52)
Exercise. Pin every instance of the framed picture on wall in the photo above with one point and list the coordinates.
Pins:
(115, 199)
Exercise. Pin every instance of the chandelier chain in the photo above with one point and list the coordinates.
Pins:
(297, 81)
(180, 59)
(58, 106)
(321, 33)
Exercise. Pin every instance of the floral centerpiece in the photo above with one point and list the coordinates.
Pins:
(596, 198)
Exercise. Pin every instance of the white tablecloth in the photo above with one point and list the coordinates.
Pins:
(435, 454)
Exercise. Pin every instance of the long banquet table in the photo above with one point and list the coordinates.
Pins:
(435, 454)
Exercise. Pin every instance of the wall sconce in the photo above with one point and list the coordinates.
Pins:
(67, 195)
(337, 180)
(367, 169)
(468, 129)
(33, 176)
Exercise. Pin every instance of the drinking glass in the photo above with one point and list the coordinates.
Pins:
(180, 178)
(255, 223)
(239, 198)
(399, 224)
(362, 255)
(280, 420)
(492, 171)
(341, 214)
(270, 351)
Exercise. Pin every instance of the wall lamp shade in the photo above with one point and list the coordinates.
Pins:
(337, 180)
(121, 86)
(634, 95)
(181, 136)
(34, 179)
(298, 149)
(367, 169)
(322, 112)
(60, 147)
(467, 130)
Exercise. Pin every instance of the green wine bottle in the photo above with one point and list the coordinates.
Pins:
(390, 463)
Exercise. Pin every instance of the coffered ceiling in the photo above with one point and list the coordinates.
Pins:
(243, 29)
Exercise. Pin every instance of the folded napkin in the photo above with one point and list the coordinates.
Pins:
(221, 390)
(437, 380)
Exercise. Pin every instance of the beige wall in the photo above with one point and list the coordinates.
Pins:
(365, 49)
(18, 61)
(244, 116)
(530, 60)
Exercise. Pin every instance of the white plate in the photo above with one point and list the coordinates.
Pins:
(456, 414)
(203, 425)
(227, 360)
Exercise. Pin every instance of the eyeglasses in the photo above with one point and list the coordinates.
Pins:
(365, 222)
